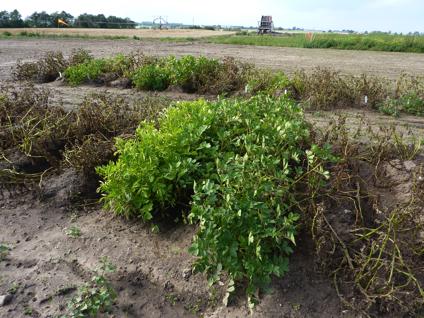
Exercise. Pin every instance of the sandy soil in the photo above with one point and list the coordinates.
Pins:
(142, 33)
(45, 265)
(385, 64)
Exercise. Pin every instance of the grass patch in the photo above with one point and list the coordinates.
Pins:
(38, 35)
(370, 42)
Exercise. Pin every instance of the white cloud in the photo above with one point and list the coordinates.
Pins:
(389, 3)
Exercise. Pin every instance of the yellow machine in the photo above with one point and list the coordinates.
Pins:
(61, 22)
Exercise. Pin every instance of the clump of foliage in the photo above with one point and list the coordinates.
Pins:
(268, 82)
(328, 89)
(94, 297)
(390, 107)
(408, 97)
(79, 56)
(193, 74)
(49, 67)
(44, 70)
(152, 78)
(4, 251)
(88, 71)
(51, 137)
(239, 164)
(411, 104)
(105, 70)
(73, 232)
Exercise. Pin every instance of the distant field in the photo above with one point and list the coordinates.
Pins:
(286, 59)
(117, 33)
(372, 42)
(363, 42)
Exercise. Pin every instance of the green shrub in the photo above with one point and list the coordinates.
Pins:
(239, 163)
(205, 75)
(390, 107)
(264, 81)
(410, 103)
(119, 64)
(413, 104)
(152, 78)
(86, 72)
(193, 74)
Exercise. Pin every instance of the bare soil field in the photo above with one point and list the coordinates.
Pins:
(153, 278)
(142, 33)
(384, 64)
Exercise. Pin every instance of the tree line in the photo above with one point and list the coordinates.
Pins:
(43, 19)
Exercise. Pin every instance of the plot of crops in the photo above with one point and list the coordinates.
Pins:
(135, 184)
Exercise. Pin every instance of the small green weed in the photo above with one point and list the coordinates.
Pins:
(14, 288)
(28, 311)
(73, 232)
(4, 251)
(94, 297)
(171, 298)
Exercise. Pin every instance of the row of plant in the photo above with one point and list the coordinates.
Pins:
(49, 136)
(366, 42)
(250, 174)
(322, 89)
(325, 89)
(234, 165)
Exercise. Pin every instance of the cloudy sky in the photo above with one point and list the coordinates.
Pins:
(384, 15)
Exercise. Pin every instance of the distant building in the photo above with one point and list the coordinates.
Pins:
(266, 25)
